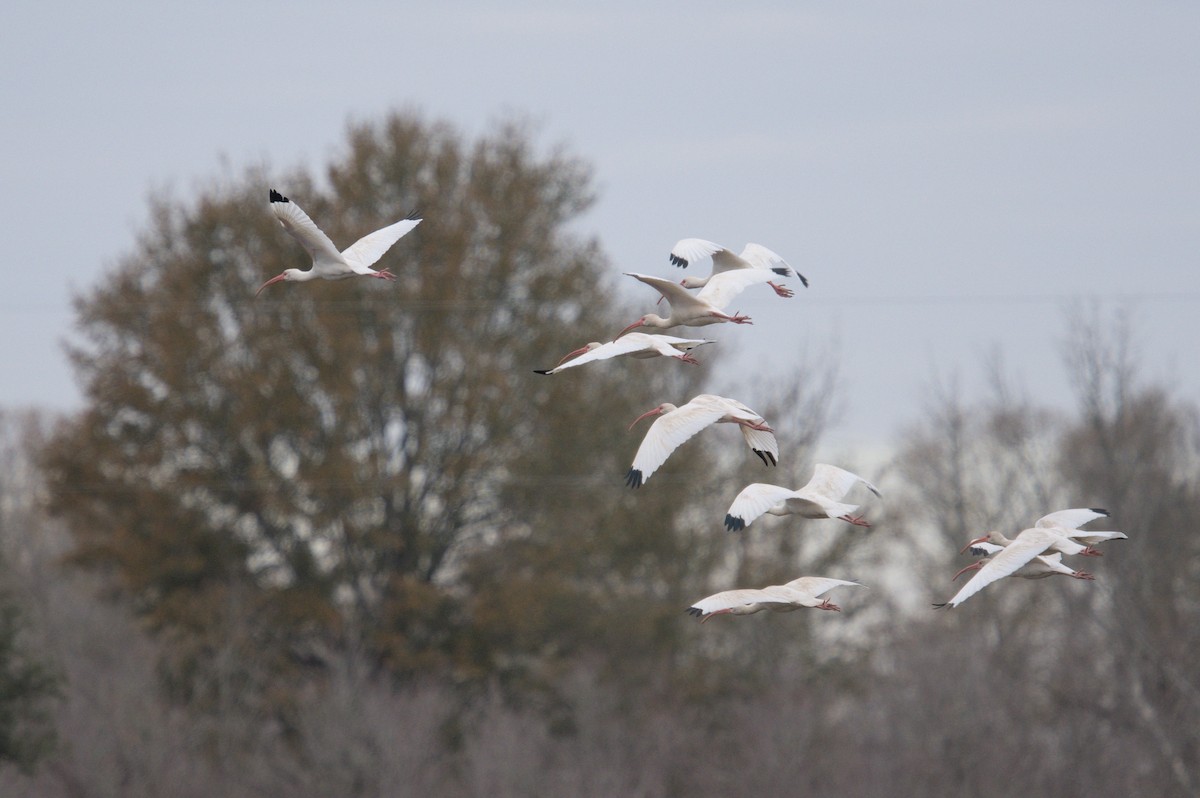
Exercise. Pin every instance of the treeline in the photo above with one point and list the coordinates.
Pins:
(341, 540)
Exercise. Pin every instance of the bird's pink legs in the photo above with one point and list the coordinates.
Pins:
(686, 358)
(384, 274)
(783, 290)
(1083, 575)
(1090, 552)
(827, 605)
(857, 520)
(736, 318)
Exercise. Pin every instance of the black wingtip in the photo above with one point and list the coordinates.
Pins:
(978, 552)
(678, 261)
(734, 524)
(944, 605)
(782, 271)
(695, 612)
(761, 455)
(634, 478)
(803, 279)
(413, 215)
(1098, 510)
(277, 197)
(541, 371)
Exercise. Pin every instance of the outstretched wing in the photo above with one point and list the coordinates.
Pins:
(370, 248)
(762, 443)
(816, 585)
(834, 483)
(689, 250)
(760, 257)
(303, 229)
(744, 597)
(1071, 519)
(675, 294)
(754, 500)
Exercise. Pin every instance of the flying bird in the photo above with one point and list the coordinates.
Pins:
(678, 424)
(820, 498)
(638, 345)
(802, 592)
(698, 310)
(1039, 567)
(754, 256)
(1016, 553)
(328, 263)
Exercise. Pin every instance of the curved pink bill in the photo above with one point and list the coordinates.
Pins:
(648, 413)
(972, 543)
(963, 570)
(630, 328)
(570, 355)
(274, 279)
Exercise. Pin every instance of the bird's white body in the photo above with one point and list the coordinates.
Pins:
(1016, 554)
(802, 592)
(328, 263)
(698, 310)
(821, 497)
(637, 345)
(678, 424)
(754, 256)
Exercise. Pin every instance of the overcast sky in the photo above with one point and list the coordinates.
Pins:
(950, 176)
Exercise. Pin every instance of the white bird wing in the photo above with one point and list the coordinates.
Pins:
(626, 344)
(1021, 550)
(754, 500)
(834, 483)
(689, 250)
(370, 248)
(762, 443)
(760, 257)
(1071, 519)
(742, 597)
(724, 286)
(667, 433)
(983, 547)
(675, 294)
(303, 229)
(816, 585)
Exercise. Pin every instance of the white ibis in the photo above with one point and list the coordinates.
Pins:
(1062, 543)
(1039, 567)
(754, 256)
(802, 592)
(639, 345)
(678, 424)
(697, 310)
(1017, 553)
(1067, 523)
(328, 263)
(820, 498)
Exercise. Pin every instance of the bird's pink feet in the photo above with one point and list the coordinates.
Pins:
(828, 605)
(736, 318)
(686, 358)
(384, 274)
(1090, 552)
(857, 520)
(1084, 575)
(783, 290)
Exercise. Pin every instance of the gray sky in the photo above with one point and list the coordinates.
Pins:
(950, 176)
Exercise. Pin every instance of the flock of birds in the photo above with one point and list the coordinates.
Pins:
(1035, 553)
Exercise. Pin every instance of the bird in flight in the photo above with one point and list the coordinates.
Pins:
(328, 263)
